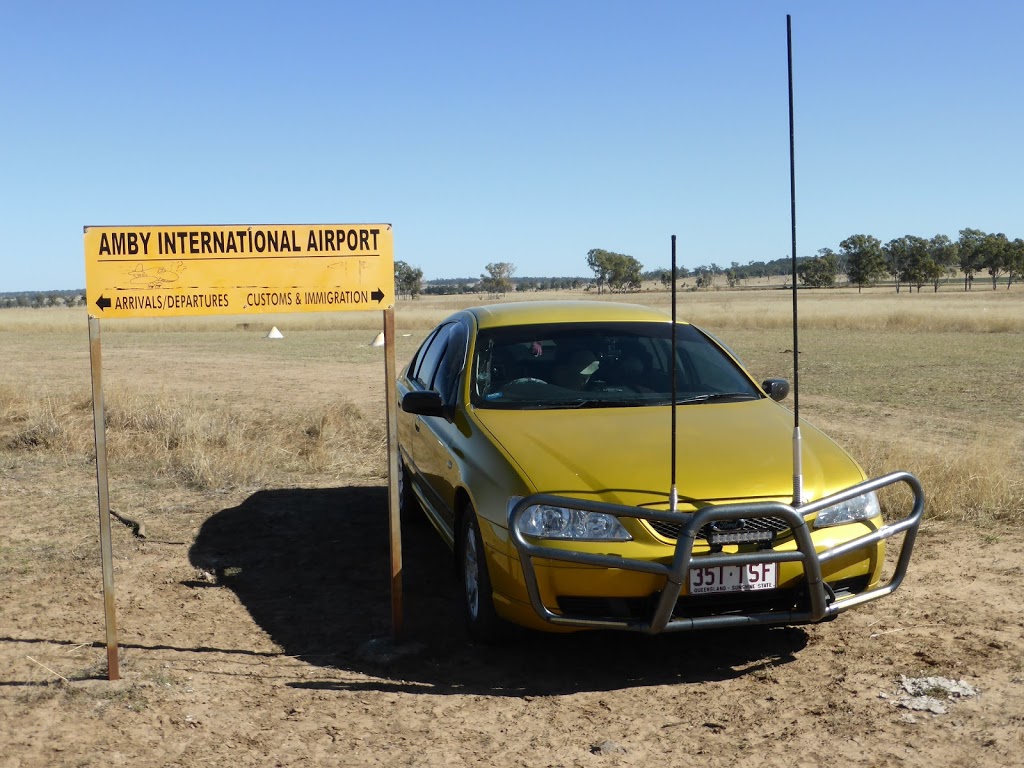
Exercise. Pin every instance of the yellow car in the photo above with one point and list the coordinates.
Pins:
(537, 437)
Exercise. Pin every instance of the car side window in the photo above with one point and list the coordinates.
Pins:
(417, 358)
(452, 363)
(430, 356)
(711, 369)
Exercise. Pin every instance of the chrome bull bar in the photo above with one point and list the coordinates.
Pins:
(661, 618)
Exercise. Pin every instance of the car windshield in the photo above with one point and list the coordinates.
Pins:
(601, 365)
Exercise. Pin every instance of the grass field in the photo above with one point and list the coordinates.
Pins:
(930, 383)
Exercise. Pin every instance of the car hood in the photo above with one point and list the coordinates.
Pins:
(725, 452)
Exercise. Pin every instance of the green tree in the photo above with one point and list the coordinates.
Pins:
(865, 263)
(664, 276)
(970, 243)
(918, 267)
(408, 280)
(705, 277)
(994, 255)
(617, 271)
(498, 279)
(839, 259)
(1015, 261)
(944, 253)
(894, 252)
(909, 261)
(625, 274)
(598, 261)
(819, 272)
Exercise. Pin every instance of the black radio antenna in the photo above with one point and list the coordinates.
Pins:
(673, 499)
(798, 471)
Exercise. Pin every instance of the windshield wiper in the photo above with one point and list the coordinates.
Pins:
(566, 404)
(706, 398)
(609, 403)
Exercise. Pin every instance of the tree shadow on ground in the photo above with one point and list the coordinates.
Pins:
(312, 567)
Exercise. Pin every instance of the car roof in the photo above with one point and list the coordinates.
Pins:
(536, 312)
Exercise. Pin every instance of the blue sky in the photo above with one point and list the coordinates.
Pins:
(527, 132)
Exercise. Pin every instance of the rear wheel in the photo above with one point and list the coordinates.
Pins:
(482, 621)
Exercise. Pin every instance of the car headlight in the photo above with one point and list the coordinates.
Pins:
(548, 522)
(862, 507)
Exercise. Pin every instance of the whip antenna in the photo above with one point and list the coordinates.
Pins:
(673, 499)
(798, 471)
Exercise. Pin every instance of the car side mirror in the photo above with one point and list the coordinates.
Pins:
(776, 389)
(423, 403)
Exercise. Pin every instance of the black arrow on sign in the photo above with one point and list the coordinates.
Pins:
(378, 295)
(102, 302)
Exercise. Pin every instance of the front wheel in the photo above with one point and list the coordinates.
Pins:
(482, 621)
(408, 507)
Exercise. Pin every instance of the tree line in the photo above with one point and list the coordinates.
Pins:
(914, 261)
(40, 299)
(497, 280)
(910, 261)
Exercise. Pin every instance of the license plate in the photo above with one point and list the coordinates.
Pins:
(751, 577)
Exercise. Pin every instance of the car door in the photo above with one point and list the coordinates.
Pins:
(410, 428)
(441, 446)
(434, 439)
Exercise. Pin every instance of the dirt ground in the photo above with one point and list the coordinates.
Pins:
(255, 630)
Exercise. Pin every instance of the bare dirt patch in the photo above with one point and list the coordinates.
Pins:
(255, 630)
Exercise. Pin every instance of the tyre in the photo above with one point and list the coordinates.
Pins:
(408, 506)
(482, 621)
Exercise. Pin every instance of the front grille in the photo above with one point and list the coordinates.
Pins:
(776, 525)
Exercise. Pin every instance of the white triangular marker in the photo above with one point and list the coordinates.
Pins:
(275, 334)
(378, 340)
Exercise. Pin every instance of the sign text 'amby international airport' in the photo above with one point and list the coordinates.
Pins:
(169, 271)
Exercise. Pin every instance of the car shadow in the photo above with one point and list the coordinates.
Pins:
(312, 566)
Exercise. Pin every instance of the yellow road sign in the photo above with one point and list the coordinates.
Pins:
(172, 271)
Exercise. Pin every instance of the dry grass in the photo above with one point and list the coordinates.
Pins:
(874, 309)
(846, 310)
(979, 482)
(925, 382)
(202, 447)
(51, 422)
